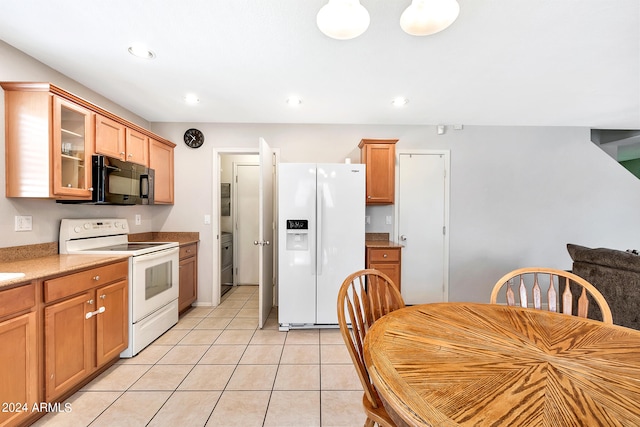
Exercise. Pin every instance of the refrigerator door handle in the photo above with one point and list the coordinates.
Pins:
(319, 206)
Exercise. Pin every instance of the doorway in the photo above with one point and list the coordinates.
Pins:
(423, 225)
(238, 219)
(267, 160)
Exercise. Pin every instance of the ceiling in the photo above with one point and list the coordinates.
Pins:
(503, 62)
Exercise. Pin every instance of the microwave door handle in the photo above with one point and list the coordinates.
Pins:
(144, 186)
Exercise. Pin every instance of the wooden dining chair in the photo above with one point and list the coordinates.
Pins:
(528, 280)
(364, 297)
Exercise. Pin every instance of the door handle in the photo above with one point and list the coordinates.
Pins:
(262, 243)
(403, 238)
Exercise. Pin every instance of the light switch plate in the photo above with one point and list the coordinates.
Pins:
(24, 223)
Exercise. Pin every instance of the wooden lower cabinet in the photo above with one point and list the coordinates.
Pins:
(83, 331)
(386, 260)
(112, 325)
(18, 368)
(68, 341)
(188, 276)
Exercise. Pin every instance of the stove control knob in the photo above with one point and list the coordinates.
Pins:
(77, 229)
(116, 224)
(87, 225)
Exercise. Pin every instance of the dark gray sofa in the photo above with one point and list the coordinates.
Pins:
(616, 274)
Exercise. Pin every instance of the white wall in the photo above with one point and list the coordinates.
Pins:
(518, 194)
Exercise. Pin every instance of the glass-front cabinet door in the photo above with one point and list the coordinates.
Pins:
(72, 148)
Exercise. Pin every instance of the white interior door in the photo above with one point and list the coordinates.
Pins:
(265, 235)
(422, 213)
(247, 223)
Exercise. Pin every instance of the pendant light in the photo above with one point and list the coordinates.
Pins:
(426, 17)
(343, 19)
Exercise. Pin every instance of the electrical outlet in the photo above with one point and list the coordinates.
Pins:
(367, 219)
(388, 220)
(138, 219)
(207, 219)
(24, 223)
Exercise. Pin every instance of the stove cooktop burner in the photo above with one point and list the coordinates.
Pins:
(128, 247)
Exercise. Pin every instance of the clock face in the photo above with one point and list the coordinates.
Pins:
(193, 138)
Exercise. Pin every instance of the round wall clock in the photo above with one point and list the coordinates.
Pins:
(193, 138)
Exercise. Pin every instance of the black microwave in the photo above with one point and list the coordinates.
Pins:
(116, 182)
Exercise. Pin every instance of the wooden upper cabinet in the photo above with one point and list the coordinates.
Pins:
(48, 143)
(379, 156)
(137, 147)
(161, 161)
(110, 137)
(51, 134)
(114, 139)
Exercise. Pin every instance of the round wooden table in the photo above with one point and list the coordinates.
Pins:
(487, 365)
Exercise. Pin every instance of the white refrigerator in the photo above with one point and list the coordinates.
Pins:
(321, 238)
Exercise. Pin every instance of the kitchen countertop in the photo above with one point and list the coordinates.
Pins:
(382, 244)
(42, 260)
(183, 238)
(52, 265)
(380, 240)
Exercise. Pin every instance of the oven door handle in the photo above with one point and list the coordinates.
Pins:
(155, 255)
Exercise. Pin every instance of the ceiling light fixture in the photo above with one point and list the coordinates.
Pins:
(343, 19)
(426, 17)
(346, 19)
(191, 99)
(399, 101)
(294, 101)
(141, 52)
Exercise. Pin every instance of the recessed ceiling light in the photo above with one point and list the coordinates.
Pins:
(141, 52)
(191, 99)
(399, 101)
(294, 101)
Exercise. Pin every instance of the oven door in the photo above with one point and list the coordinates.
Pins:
(154, 282)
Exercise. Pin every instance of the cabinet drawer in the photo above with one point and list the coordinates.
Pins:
(62, 287)
(18, 299)
(188, 250)
(384, 254)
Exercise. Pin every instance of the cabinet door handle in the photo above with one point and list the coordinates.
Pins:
(103, 296)
(96, 278)
(384, 256)
(368, 197)
(90, 314)
(90, 302)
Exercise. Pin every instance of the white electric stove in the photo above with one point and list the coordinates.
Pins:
(153, 274)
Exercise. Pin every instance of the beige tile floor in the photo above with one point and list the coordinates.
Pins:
(216, 368)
